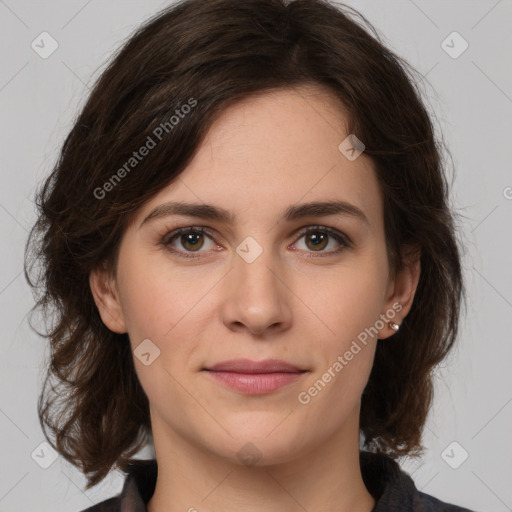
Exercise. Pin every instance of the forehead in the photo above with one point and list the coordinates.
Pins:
(272, 150)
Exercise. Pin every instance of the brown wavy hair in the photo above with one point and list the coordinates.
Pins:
(92, 408)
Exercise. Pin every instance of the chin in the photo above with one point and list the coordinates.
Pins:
(253, 445)
(264, 426)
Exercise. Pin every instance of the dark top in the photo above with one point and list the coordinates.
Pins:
(392, 488)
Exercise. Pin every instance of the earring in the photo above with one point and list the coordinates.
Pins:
(394, 326)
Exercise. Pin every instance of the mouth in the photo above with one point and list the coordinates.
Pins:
(249, 366)
(255, 377)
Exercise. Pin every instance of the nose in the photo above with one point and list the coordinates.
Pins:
(256, 296)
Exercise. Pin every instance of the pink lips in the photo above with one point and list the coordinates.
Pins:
(255, 377)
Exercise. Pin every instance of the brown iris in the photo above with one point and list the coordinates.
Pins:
(318, 239)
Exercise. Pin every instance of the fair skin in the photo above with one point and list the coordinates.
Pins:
(297, 301)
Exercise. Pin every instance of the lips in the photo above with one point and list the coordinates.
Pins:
(249, 366)
(255, 377)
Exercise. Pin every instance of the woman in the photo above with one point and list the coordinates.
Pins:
(249, 251)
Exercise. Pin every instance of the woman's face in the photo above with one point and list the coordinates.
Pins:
(257, 287)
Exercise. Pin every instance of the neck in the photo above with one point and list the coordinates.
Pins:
(324, 479)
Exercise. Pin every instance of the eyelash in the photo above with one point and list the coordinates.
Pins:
(339, 237)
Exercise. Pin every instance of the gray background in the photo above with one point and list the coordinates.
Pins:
(472, 97)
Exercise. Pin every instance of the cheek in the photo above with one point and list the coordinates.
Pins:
(159, 304)
(354, 296)
(345, 355)
(350, 307)
(156, 296)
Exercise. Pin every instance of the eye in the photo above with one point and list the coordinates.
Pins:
(317, 238)
(192, 240)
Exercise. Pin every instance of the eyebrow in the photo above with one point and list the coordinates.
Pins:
(293, 212)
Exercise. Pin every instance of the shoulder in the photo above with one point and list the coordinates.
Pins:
(394, 489)
(426, 503)
(110, 505)
(139, 485)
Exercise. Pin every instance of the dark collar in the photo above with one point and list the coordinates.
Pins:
(392, 488)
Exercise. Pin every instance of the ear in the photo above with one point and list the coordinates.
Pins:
(401, 291)
(106, 296)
